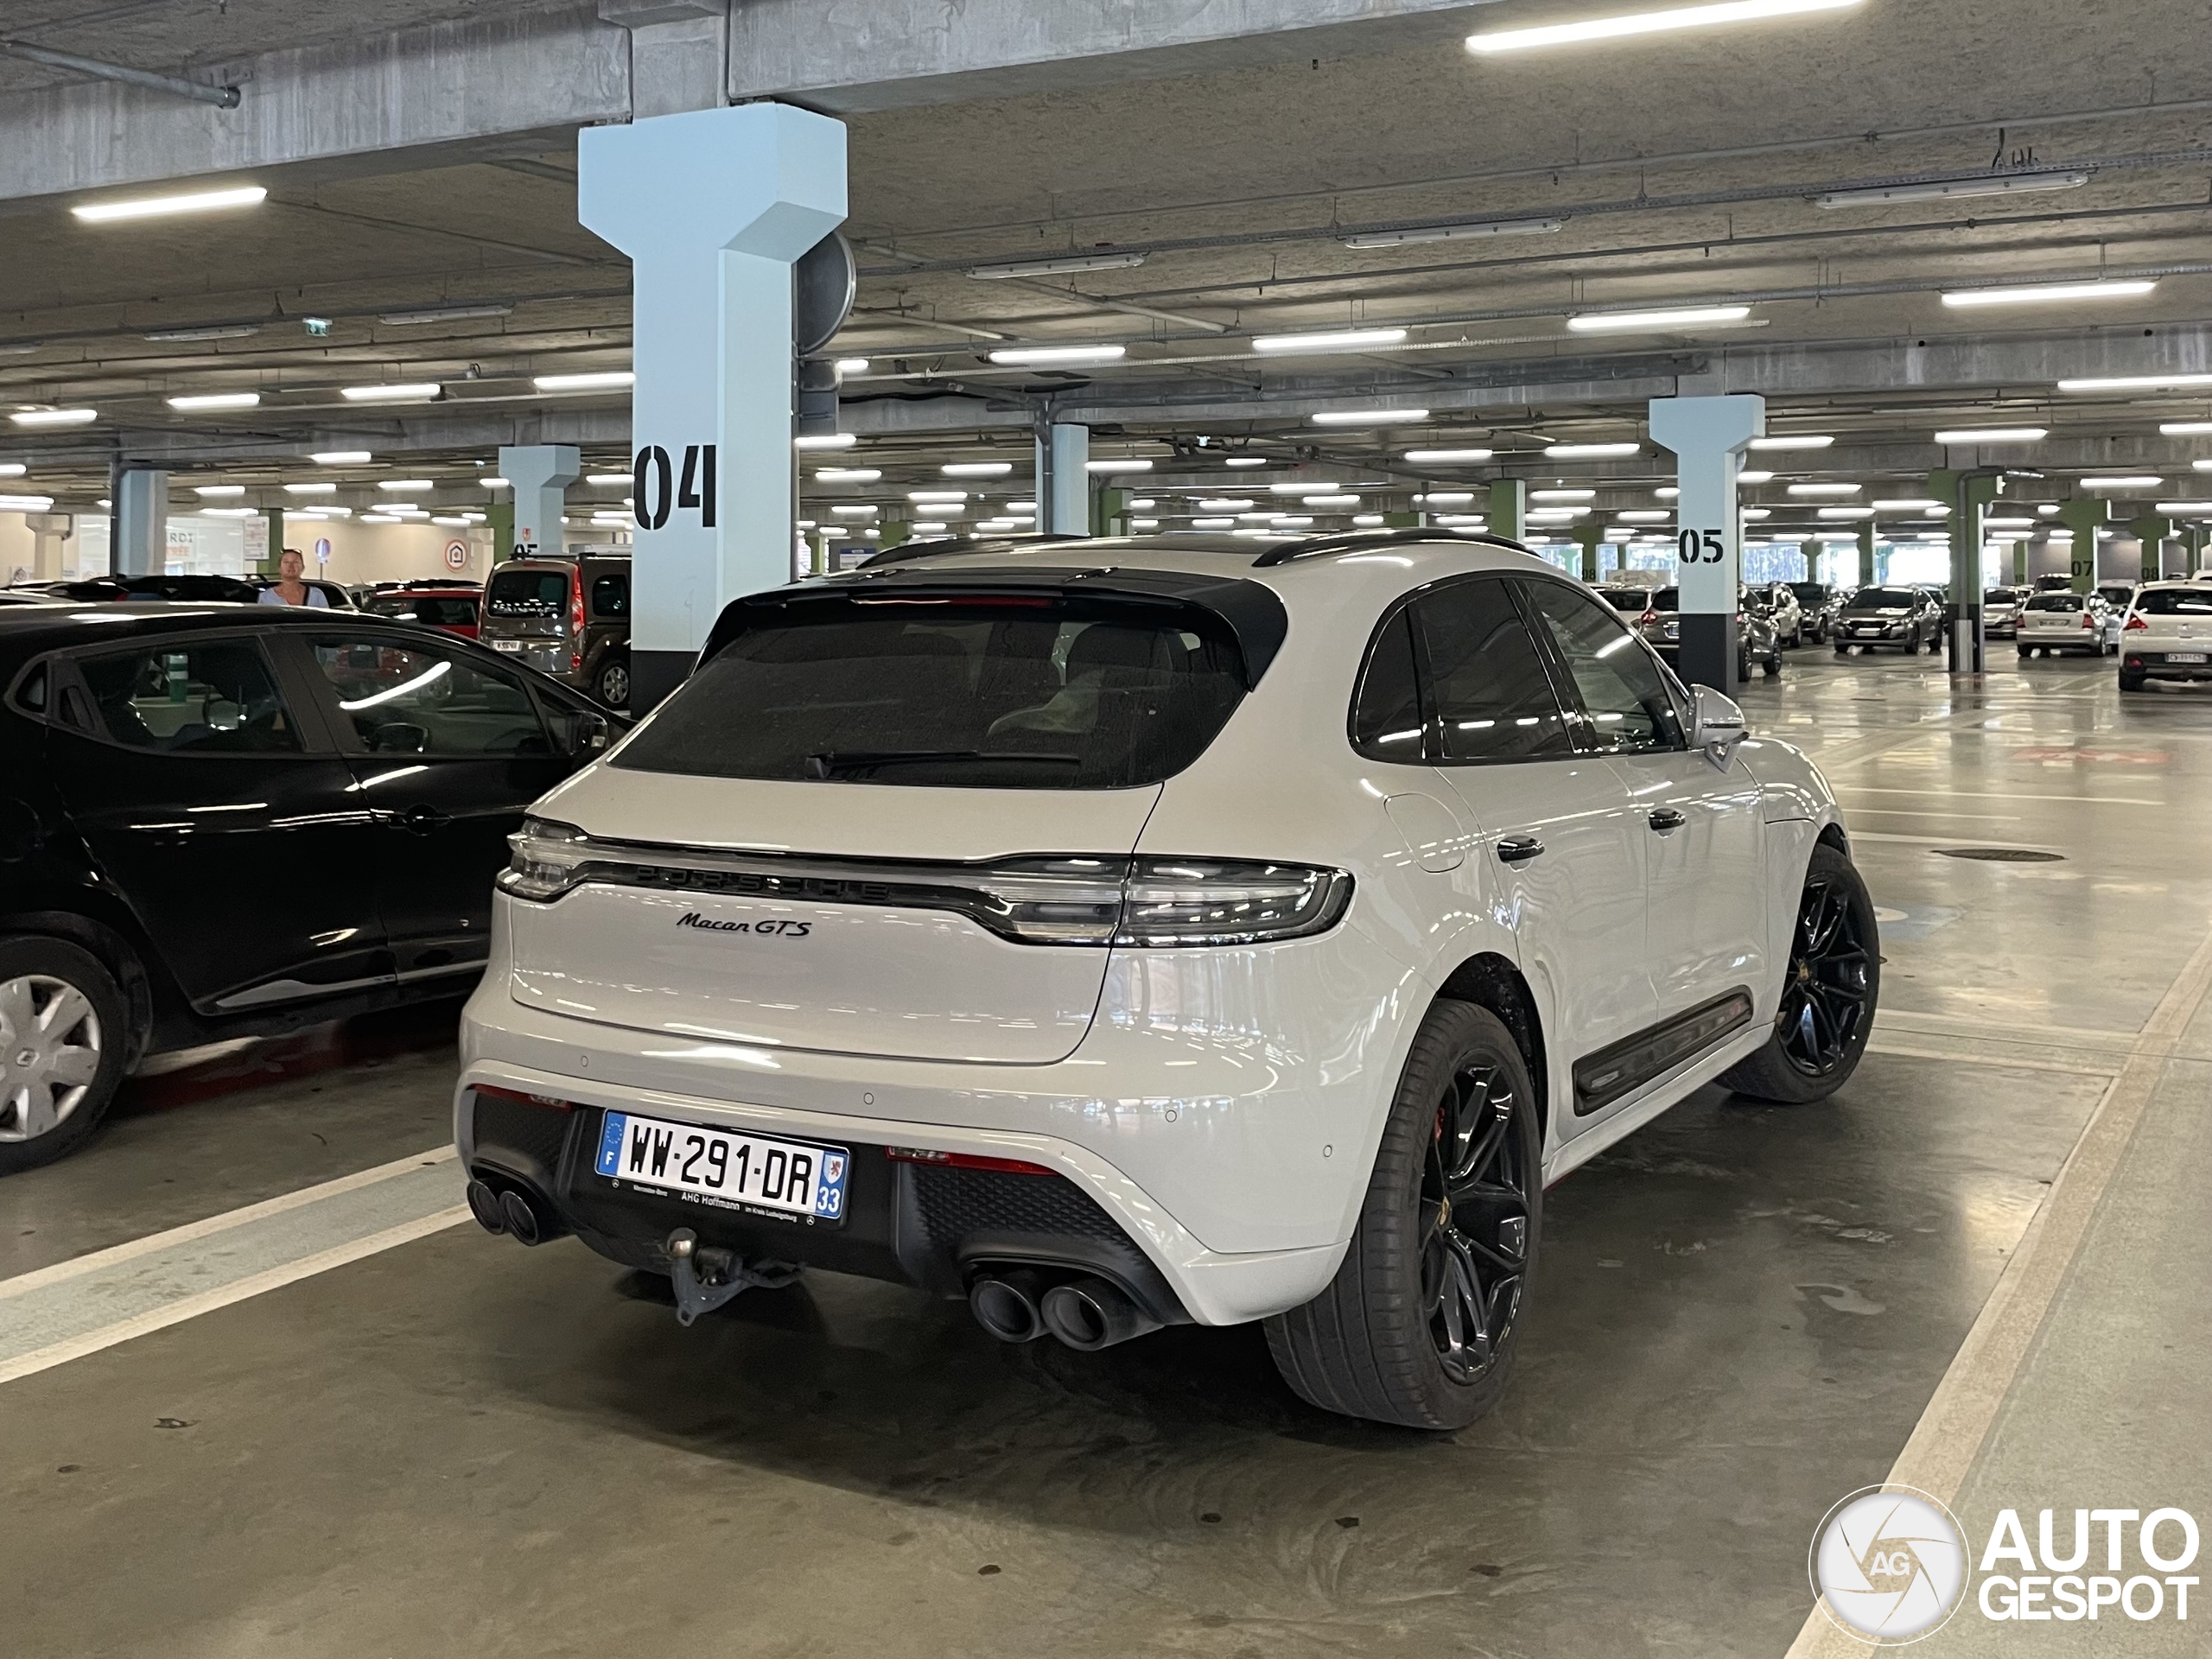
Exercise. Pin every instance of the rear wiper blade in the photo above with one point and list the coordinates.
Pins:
(830, 762)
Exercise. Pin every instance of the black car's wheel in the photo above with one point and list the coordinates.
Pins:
(1773, 666)
(610, 685)
(1420, 1325)
(64, 1034)
(1828, 995)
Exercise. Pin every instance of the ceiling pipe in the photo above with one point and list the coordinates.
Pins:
(223, 98)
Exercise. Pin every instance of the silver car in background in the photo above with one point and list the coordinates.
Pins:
(2060, 621)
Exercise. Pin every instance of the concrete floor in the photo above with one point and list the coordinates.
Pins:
(458, 1446)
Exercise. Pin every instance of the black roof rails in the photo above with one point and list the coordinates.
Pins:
(1314, 547)
(938, 548)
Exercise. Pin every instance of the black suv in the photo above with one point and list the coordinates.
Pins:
(224, 821)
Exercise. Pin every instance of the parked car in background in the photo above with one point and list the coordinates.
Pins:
(1817, 603)
(165, 589)
(1628, 600)
(2000, 612)
(2121, 595)
(1660, 625)
(2058, 621)
(336, 596)
(2167, 634)
(568, 616)
(1890, 619)
(218, 822)
(2053, 584)
(452, 607)
(1776, 602)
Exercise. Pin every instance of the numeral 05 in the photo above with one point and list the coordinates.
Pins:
(1700, 547)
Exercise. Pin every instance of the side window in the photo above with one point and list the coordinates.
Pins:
(208, 696)
(610, 597)
(1490, 695)
(1621, 688)
(410, 699)
(1386, 722)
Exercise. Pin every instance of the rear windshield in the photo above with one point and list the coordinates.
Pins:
(1883, 599)
(2000, 597)
(983, 692)
(1666, 598)
(2174, 601)
(1809, 593)
(2056, 602)
(435, 610)
(1625, 598)
(528, 593)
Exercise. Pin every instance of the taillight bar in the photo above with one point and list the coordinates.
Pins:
(551, 1103)
(965, 1160)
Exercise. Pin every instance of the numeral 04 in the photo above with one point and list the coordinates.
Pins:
(653, 481)
(1700, 547)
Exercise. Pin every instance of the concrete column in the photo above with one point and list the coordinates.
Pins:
(2084, 517)
(1709, 436)
(1064, 479)
(1866, 541)
(1507, 514)
(541, 474)
(49, 530)
(2153, 532)
(1590, 537)
(713, 207)
(679, 51)
(139, 533)
(1971, 495)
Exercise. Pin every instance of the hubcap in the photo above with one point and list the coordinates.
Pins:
(50, 1040)
(1824, 1006)
(1475, 1200)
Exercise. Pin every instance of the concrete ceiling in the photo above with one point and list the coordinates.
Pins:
(1686, 170)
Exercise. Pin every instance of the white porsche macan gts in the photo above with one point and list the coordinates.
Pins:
(1117, 933)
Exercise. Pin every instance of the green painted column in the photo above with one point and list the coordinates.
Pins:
(1590, 537)
(1509, 509)
(2083, 516)
(1109, 513)
(500, 519)
(276, 518)
(896, 533)
(1404, 520)
(2154, 532)
(1865, 554)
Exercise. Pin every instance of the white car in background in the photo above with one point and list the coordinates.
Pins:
(2168, 634)
(2062, 621)
(1133, 932)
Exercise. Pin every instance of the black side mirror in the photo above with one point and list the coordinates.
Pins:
(593, 733)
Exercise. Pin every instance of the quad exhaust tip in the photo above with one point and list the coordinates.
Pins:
(510, 1211)
(1005, 1304)
(1022, 1304)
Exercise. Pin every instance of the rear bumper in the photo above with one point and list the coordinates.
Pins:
(2154, 665)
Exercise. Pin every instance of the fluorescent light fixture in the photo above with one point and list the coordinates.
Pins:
(53, 417)
(399, 486)
(12, 469)
(1331, 503)
(1646, 22)
(1246, 460)
(217, 331)
(1668, 492)
(456, 520)
(2002, 523)
(1593, 451)
(1045, 356)
(413, 393)
(2004, 184)
(494, 482)
(381, 519)
(1446, 499)
(1562, 495)
(1826, 489)
(1293, 520)
(2184, 429)
(1912, 504)
(1647, 518)
(928, 527)
(341, 458)
(852, 366)
(1368, 520)
(2118, 383)
(825, 441)
(1223, 503)
(1059, 267)
(216, 400)
(25, 503)
(1754, 478)
(601, 380)
(1304, 486)
(1111, 466)
(2049, 293)
(976, 469)
(1796, 440)
(1756, 513)
(2129, 481)
(197, 201)
(1995, 435)
(936, 495)
(310, 489)
(449, 313)
(1213, 524)
(230, 512)
(1453, 233)
(1558, 515)
(1847, 512)
(1448, 457)
(1144, 524)
(2187, 509)
(1342, 339)
(849, 474)
(1370, 417)
(853, 512)
(2200, 465)
(217, 489)
(1688, 316)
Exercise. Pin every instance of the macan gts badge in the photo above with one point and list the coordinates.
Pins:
(1137, 932)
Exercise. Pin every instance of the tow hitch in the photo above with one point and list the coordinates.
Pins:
(706, 1278)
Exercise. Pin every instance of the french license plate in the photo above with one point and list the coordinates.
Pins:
(740, 1172)
(2184, 656)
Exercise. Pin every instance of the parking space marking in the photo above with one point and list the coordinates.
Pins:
(78, 1307)
(2007, 1062)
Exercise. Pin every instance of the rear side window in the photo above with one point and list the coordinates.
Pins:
(446, 610)
(528, 593)
(212, 696)
(610, 597)
(2174, 601)
(1386, 723)
(1490, 698)
(981, 692)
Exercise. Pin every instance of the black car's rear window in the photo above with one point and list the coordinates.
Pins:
(981, 692)
(2056, 602)
(1666, 598)
(1809, 593)
(1883, 599)
(2174, 601)
(2000, 597)
(527, 593)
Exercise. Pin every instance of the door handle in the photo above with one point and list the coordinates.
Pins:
(1666, 821)
(1519, 849)
(422, 820)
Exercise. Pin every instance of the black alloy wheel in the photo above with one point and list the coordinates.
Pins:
(1827, 999)
(1474, 1222)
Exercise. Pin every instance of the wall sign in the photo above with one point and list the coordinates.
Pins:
(456, 556)
(322, 550)
(655, 488)
(1700, 547)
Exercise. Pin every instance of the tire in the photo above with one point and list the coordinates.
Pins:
(1800, 1063)
(59, 1003)
(610, 685)
(1772, 667)
(2024, 653)
(2131, 681)
(1374, 1344)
